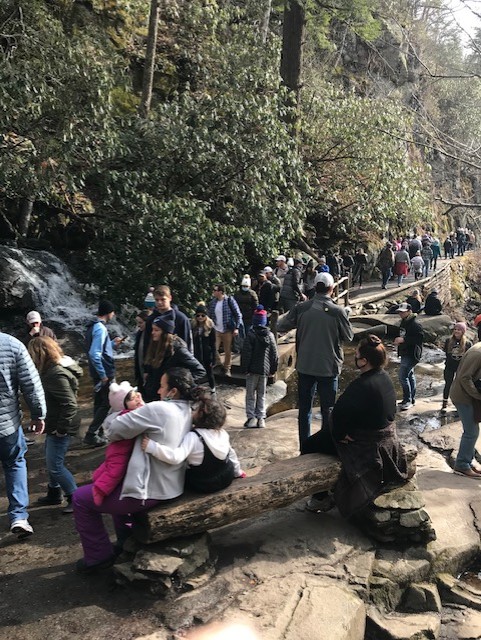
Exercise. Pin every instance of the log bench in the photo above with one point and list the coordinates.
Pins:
(274, 485)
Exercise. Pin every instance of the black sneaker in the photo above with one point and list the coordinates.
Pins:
(94, 441)
(86, 569)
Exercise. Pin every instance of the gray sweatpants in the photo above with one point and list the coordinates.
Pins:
(256, 395)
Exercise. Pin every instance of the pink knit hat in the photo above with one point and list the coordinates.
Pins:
(461, 326)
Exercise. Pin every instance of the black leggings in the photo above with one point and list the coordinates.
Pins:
(448, 379)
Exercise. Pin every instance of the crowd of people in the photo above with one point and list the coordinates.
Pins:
(167, 433)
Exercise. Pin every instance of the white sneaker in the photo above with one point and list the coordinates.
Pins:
(21, 529)
(317, 416)
(250, 423)
(404, 406)
(261, 423)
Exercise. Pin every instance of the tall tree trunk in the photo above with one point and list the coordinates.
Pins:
(24, 214)
(264, 26)
(292, 44)
(148, 78)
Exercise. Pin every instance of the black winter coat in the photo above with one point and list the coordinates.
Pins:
(204, 347)
(412, 332)
(259, 352)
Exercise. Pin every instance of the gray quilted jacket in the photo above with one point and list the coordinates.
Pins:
(18, 373)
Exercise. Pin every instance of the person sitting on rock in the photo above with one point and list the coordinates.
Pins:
(433, 305)
(363, 435)
(415, 300)
(213, 463)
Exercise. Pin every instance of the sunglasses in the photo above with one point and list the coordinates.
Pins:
(200, 315)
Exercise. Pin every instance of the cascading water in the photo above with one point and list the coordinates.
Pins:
(41, 281)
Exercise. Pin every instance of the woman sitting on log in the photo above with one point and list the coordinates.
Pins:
(148, 481)
(362, 435)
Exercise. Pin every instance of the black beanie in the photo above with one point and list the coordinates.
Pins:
(166, 322)
(105, 307)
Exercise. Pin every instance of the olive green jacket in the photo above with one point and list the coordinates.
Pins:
(463, 390)
(60, 384)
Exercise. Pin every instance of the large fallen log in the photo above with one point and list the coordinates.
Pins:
(275, 485)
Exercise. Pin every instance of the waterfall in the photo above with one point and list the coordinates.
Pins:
(41, 281)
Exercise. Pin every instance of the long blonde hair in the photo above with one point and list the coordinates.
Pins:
(45, 352)
(157, 351)
(207, 326)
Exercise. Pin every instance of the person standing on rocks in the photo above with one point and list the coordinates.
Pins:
(164, 305)
(19, 375)
(100, 354)
(227, 318)
(322, 326)
(454, 348)
(410, 348)
(467, 399)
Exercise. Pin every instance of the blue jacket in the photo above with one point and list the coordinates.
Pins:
(100, 351)
(231, 314)
(18, 374)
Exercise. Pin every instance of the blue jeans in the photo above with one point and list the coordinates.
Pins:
(12, 455)
(386, 274)
(427, 264)
(306, 387)
(468, 439)
(407, 379)
(59, 476)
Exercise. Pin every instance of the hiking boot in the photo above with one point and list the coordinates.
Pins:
(92, 440)
(250, 423)
(21, 528)
(54, 496)
(444, 407)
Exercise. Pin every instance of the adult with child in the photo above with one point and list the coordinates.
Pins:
(454, 348)
(212, 462)
(60, 380)
(148, 481)
(363, 435)
(166, 350)
(203, 333)
(19, 376)
(259, 359)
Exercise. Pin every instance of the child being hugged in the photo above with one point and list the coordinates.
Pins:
(122, 398)
(213, 463)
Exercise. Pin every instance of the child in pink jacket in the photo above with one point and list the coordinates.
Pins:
(122, 398)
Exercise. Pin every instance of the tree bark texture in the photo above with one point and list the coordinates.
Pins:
(148, 78)
(270, 487)
(264, 26)
(292, 45)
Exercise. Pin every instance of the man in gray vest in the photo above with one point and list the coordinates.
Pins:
(322, 326)
(18, 375)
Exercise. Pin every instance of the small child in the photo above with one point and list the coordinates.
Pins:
(213, 463)
(259, 359)
(122, 398)
(417, 264)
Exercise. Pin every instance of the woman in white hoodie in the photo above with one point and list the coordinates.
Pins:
(147, 481)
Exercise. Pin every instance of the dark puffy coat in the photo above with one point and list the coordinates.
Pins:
(267, 296)
(181, 357)
(433, 305)
(247, 301)
(259, 352)
(204, 347)
(412, 332)
(60, 385)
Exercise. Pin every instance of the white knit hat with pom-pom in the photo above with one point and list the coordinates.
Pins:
(117, 393)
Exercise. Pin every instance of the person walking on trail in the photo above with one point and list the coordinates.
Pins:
(410, 348)
(436, 253)
(448, 246)
(360, 266)
(402, 263)
(322, 326)
(276, 286)
(386, 263)
(100, 354)
(291, 291)
(18, 375)
(281, 269)
(427, 256)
